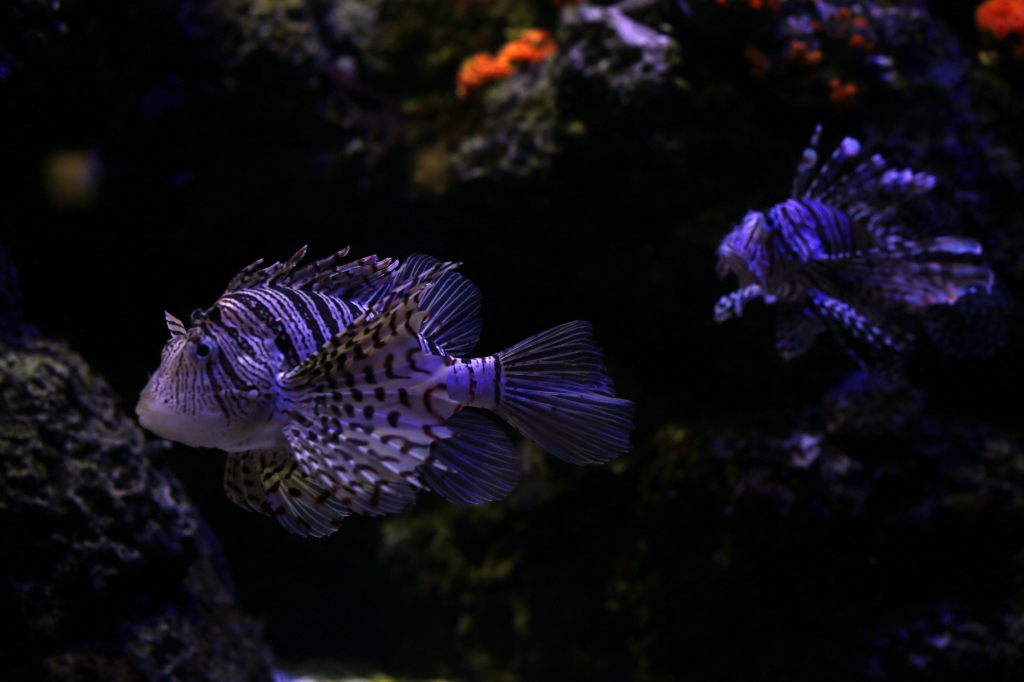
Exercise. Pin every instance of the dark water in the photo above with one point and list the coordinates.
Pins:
(207, 161)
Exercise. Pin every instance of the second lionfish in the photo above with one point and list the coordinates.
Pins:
(344, 388)
(836, 255)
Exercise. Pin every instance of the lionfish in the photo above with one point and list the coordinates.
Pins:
(836, 255)
(342, 388)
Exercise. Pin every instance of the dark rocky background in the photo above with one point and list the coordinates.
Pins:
(777, 520)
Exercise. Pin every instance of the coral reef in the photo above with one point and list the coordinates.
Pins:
(518, 136)
(608, 60)
(110, 572)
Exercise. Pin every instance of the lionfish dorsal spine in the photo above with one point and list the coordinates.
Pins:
(174, 325)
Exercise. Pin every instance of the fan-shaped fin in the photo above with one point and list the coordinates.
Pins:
(480, 464)
(271, 482)
(362, 281)
(242, 481)
(454, 322)
(555, 392)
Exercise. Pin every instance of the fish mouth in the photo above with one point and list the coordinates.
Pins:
(204, 429)
(166, 422)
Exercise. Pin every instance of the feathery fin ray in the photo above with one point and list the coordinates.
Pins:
(555, 392)
(480, 463)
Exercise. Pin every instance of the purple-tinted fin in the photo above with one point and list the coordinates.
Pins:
(454, 306)
(361, 281)
(861, 327)
(564, 354)
(481, 463)
(832, 169)
(413, 272)
(252, 276)
(808, 161)
(555, 392)
(916, 286)
(242, 481)
(302, 504)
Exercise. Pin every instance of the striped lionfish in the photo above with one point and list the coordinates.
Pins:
(836, 255)
(340, 388)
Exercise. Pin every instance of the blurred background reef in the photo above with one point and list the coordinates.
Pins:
(776, 521)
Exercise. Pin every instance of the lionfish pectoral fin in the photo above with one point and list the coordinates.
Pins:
(372, 346)
(242, 481)
(897, 248)
(916, 286)
(480, 464)
(268, 481)
(556, 393)
(731, 305)
(352, 475)
(859, 324)
(365, 410)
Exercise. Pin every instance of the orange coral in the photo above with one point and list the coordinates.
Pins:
(532, 46)
(1001, 18)
(842, 93)
(479, 69)
(857, 40)
(798, 52)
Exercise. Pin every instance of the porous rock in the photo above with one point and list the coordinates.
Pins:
(109, 572)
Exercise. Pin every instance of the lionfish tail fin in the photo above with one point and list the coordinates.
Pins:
(554, 391)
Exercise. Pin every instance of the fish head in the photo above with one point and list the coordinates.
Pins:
(197, 396)
(744, 251)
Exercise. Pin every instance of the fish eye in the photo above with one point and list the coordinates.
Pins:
(202, 349)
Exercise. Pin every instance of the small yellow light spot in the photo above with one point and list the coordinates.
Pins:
(71, 177)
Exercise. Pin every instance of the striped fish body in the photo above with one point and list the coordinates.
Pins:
(835, 256)
(343, 388)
